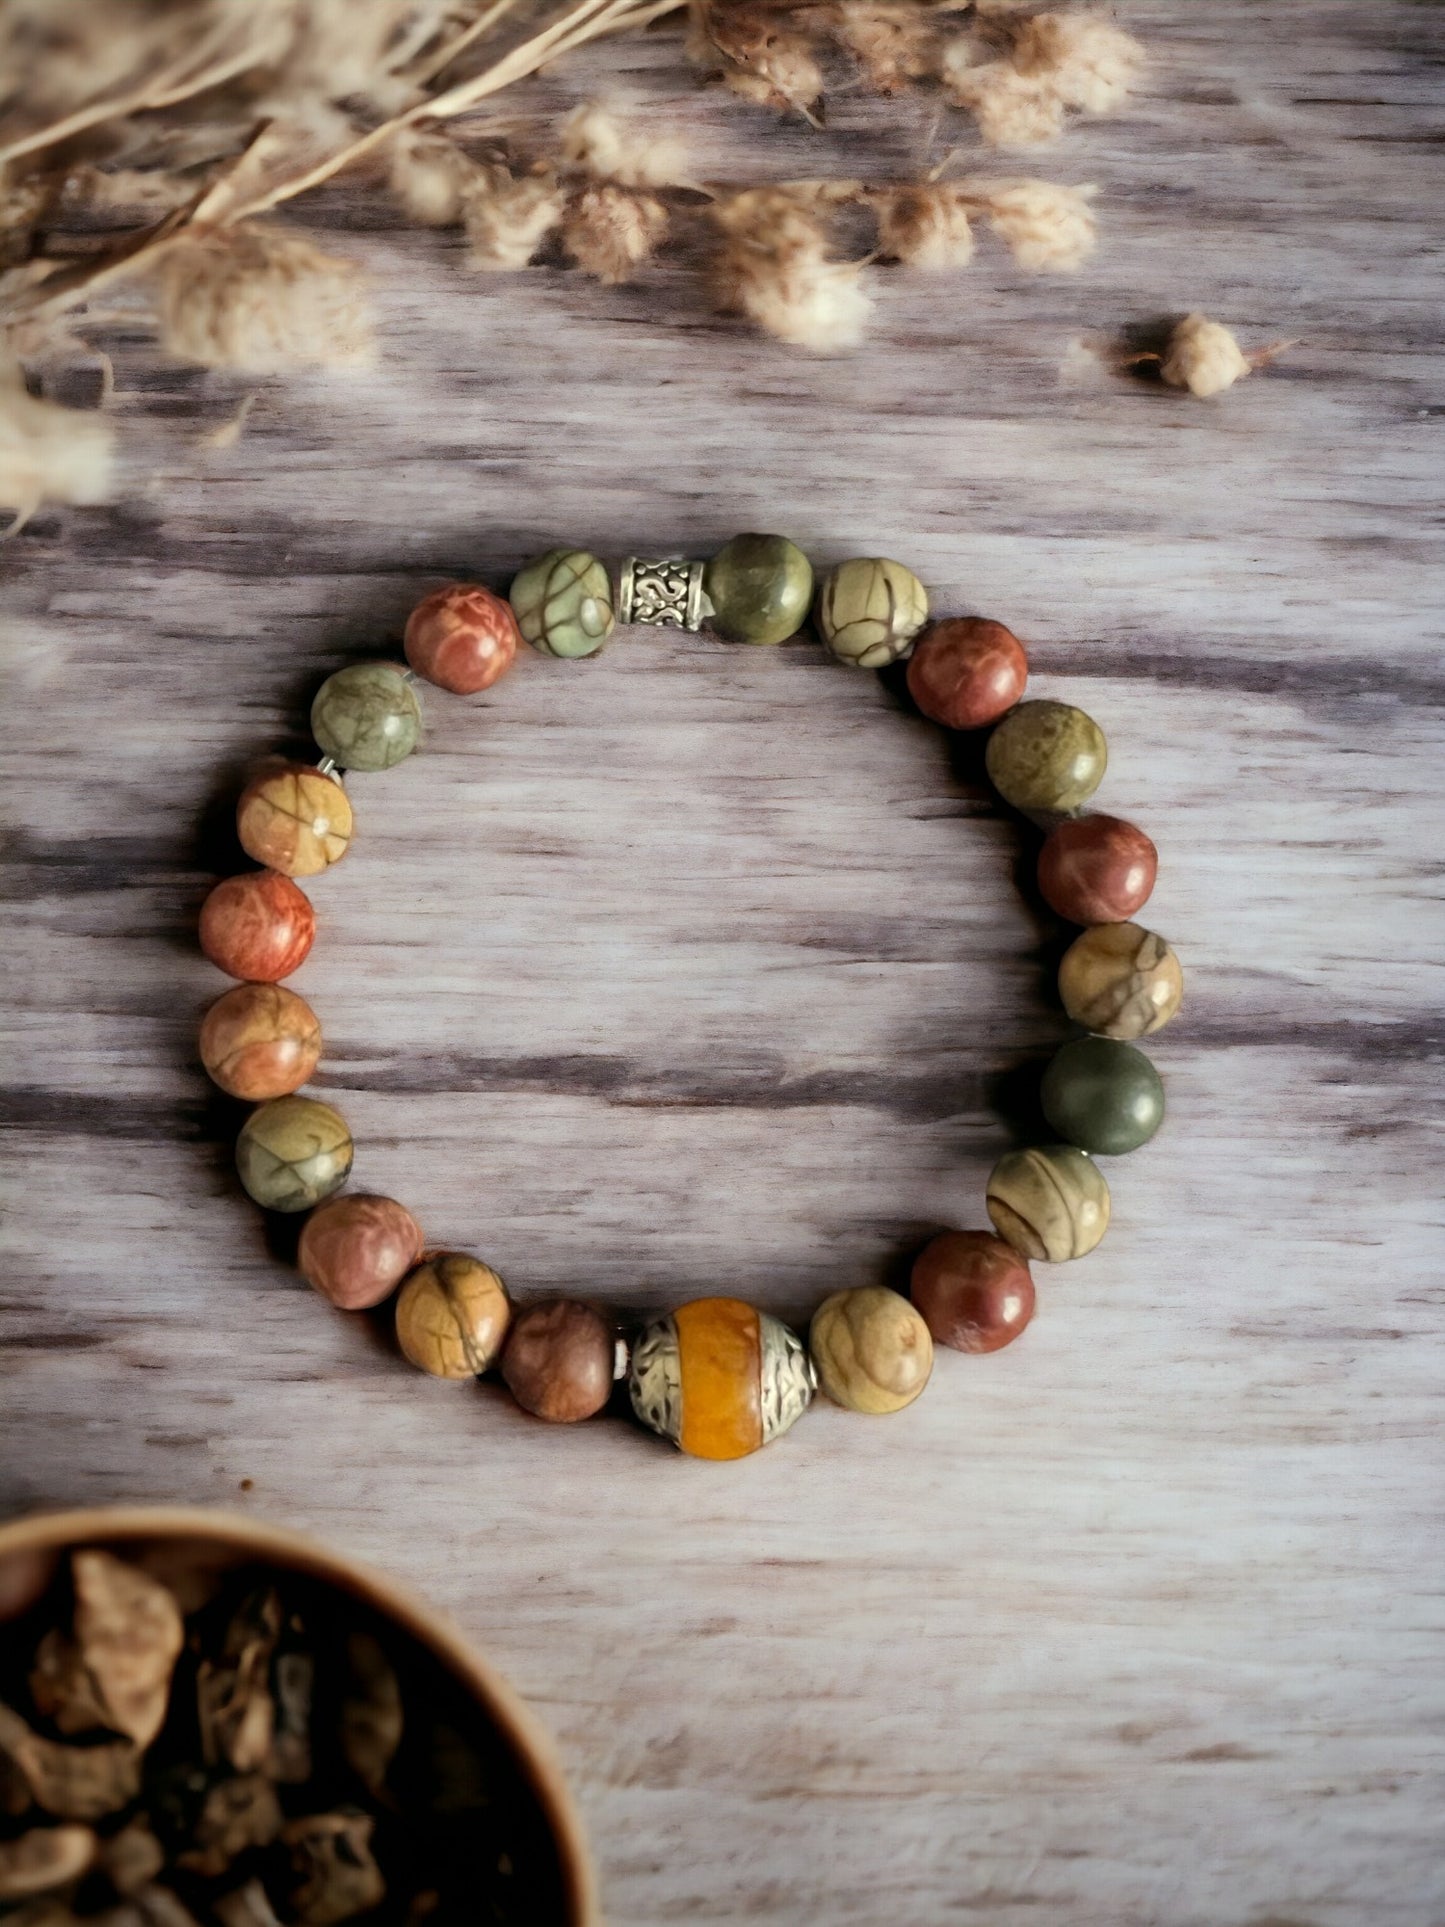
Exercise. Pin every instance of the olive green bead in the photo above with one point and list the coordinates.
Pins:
(1050, 1202)
(1103, 1096)
(869, 610)
(366, 716)
(563, 603)
(1046, 756)
(760, 587)
(293, 1152)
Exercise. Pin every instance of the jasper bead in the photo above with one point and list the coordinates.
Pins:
(1050, 1202)
(452, 1316)
(295, 820)
(966, 672)
(1120, 980)
(366, 717)
(869, 610)
(974, 1291)
(293, 1152)
(260, 1041)
(356, 1249)
(1097, 869)
(719, 1379)
(563, 603)
(1103, 1096)
(871, 1349)
(558, 1360)
(462, 638)
(258, 927)
(760, 587)
(1046, 756)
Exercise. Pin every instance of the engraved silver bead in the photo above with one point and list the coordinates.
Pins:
(667, 593)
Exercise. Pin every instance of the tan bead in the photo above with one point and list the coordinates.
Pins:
(559, 1360)
(872, 1350)
(295, 820)
(1120, 980)
(260, 1041)
(1050, 1202)
(452, 1315)
(869, 610)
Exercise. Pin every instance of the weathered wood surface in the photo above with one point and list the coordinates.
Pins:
(695, 969)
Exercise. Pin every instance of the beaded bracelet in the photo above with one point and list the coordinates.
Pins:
(716, 1376)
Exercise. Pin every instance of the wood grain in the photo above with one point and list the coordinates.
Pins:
(698, 969)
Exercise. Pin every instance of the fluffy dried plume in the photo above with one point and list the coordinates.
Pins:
(508, 216)
(1088, 62)
(757, 53)
(611, 230)
(432, 177)
(262, 300)
(49, 453)
(925, 225)
(1204, 357)
(892, 42)
(1047, 228)
(1011, 109)
(775, 266)
(596, 144)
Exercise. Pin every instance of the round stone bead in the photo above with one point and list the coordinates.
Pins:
(1097, 869)
(871, 1349)
(366, 716)
(1050, 1202)
(719, 1379)
(558, 1360)
(295, 820)
(760, 588)
(563, 603)
(258, 927)
(452, 1316)
(974, 1291)
(260, 1041)
(1120, 980)
(356, 1249)
(869, 610)
(1103, 1096)
(966, 672)
(1046, 756)
(462, 638)
(293, 1152)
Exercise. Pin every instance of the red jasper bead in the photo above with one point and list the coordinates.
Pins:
(462, 638)
(257, 927)
(1097, 869)
(975, 1292)
(356, 1249)
(966, 672)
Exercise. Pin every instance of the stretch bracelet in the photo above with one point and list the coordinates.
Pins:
(717, 1377)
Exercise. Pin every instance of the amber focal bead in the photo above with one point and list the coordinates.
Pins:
(1120, 980)
(462, 638)
(974, 1291)
(452, 1316)
(357, 1248)
(1046, 757)
(1097, 869)
(872, 1350)
(720, 1358)
(558, 1361)
(258, 927)
(966, 672)
(295, 820)
(260, 1041)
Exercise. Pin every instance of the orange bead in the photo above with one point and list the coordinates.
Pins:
(260, 1041)
(462, 638)
(257, 927)
(720, 1356)
(294, 819)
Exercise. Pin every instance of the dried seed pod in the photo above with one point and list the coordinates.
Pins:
(248, 1906)
(295, 1683)
(132, 1858)
(116, 1672)
(72, 1782)
(371, 1711)
(334, 1874)
(43, 1859)
(235, 1815)
(233, 1702)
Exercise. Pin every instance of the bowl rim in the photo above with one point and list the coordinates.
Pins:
(59, 1531)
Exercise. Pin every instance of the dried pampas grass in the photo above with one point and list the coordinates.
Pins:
(49, 453)
(611, 230)
(1205, 357)
(1052, 62)
(762, 53)
(926, 225)
(776, 267)
(508, 216)
(1047, 228)
(262, 300)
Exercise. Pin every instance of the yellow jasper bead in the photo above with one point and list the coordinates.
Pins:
(871, 1349)
(452, 1315)
(295, 820)
(1050, 1202)
(719, 1378)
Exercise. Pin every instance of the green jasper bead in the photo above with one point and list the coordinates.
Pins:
(1106, 1097)
(366, 716)
(869, 610)
(760, 587)
(293, 1152)
(563, 603)
(1046, 756)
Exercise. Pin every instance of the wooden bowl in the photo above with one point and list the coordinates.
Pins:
(32, 1548)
